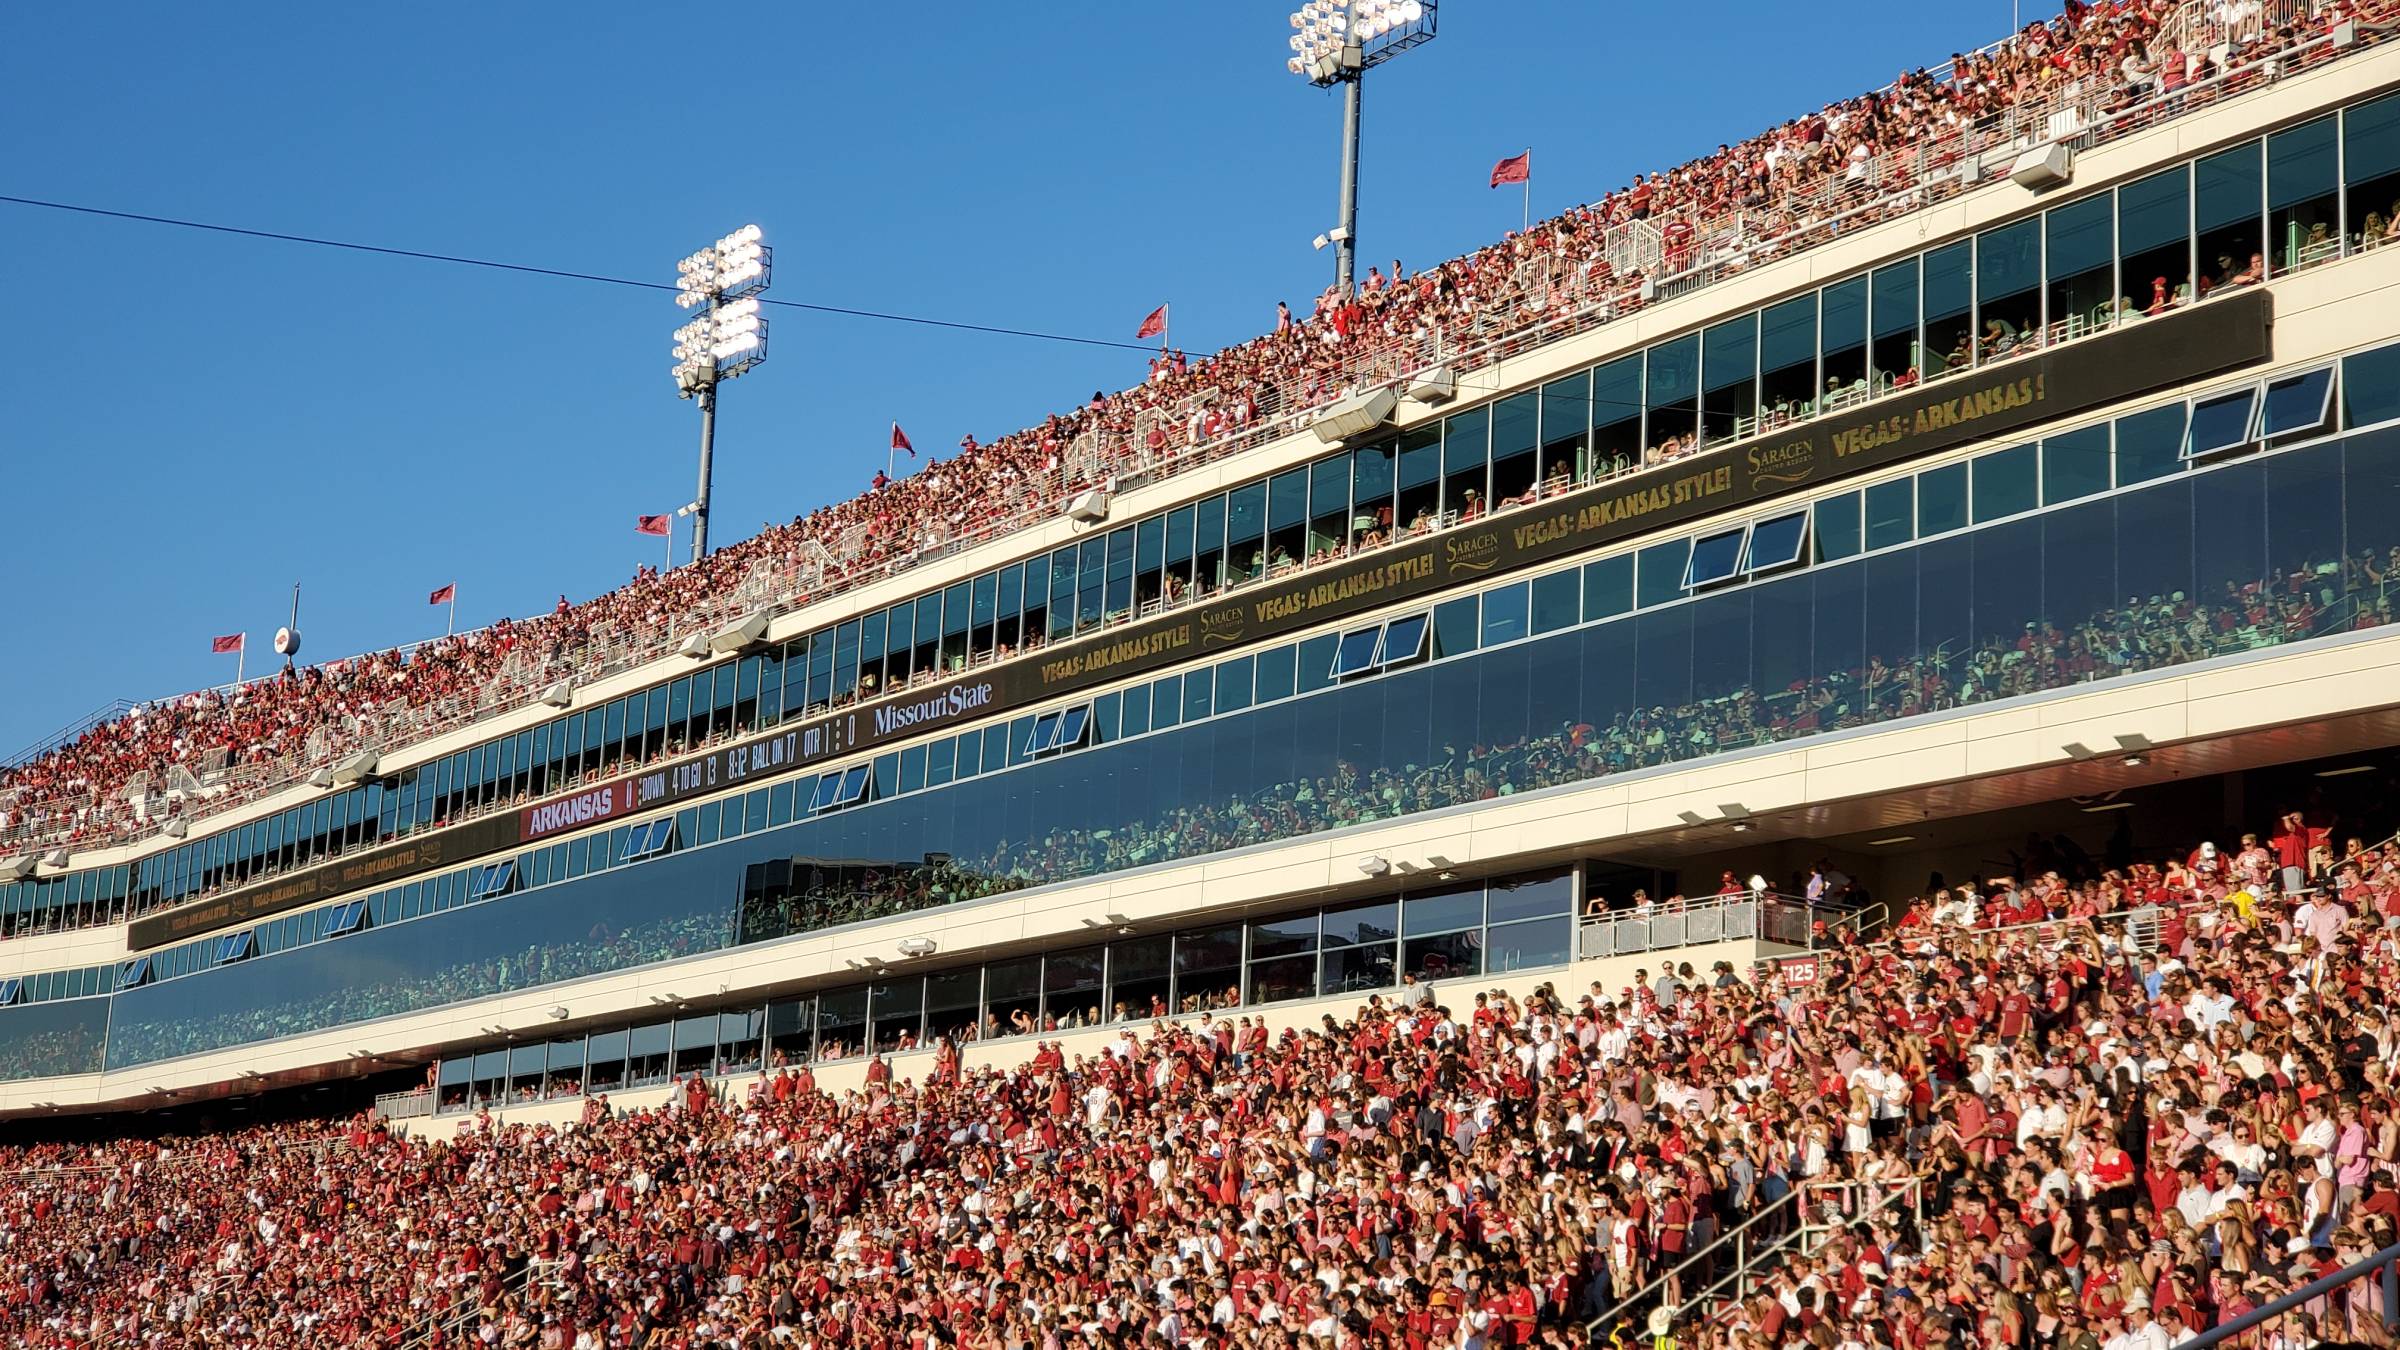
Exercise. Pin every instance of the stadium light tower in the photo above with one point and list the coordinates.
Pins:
(727, 339)
(1338, 42)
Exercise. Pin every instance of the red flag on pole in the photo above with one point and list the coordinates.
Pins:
(1153, 326)
(231, 642)
(1515, 169)
(900, 441)
(443, 596)
(658, 525)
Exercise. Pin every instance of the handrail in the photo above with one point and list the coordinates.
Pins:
(1738, 1237)
(435, 1329)
(2385, 1262)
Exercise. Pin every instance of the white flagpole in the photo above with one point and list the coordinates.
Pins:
(452, 629)
(240, 654)
(1527, 222)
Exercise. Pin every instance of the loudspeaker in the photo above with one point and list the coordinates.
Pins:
(1089, 506)
(2044, 166)
(1356, 415)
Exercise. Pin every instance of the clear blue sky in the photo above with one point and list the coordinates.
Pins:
(189, 423)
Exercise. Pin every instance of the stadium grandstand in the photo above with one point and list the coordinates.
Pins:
(1801, 755)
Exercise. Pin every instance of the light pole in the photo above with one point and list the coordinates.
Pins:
(1338, 42)
(728, 338)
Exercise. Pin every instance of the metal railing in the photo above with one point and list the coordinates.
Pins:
(1768, 917)
(1543, 301)
(456, 1323)
(1757, 1246)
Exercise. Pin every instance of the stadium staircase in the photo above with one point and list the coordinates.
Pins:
(456, 1325)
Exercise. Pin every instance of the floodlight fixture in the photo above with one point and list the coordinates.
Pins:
(1338, 42)
(727, 339)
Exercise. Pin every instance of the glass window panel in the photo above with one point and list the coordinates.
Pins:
(1617, 415)
(2220, 423)
(1843, 339)
(2075, 464)
(1891, 513)
(2303, 196)
(1557, 602)
(1515, 462)
(1357, 651)
(1440, 911)
(1235, 683)
(1532, 944)
(1787, 360)
(1466, 462)
(2226, 209)
(1317, 657)
(1504, 614)
(1448, 957)
(1894, 295)
(2080, 260)
(1837, 527)
(2297, 403)
(1659, 576)
(1949, 300)
(2371, 379)
(1941, 500)
(2149, 444)
(1608, 587)
(1777, 542)
(1715, 557)
(1283, 937)
(2004, 482)
(1404, 639)
(1672, 395)
(2371, 168)
(1456, 626)
(1275, 674)
(1530, 897)
(2008, 275)
(1566, 429)
(2154, 239)
(1729, 366)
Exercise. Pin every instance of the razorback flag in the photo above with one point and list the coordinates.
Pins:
(231, 642)
(1515, 169)
(444, 595)
(1153, 326)
(658, 525)
(900, 441)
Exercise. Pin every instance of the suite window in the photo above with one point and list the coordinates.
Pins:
(1891, 513)
(1456, 626)
(1235, 682)
(1787, 360)
(2371, 168)
(1776, 542)
(2226, 209)
(235, 947)
(1658, 575)
(495, 879)
(1275, 674)
(1567, 428)
(1672, 395)
(2008, 285)
(1466, 463)
(11, 989)
(1505, 615)
(1141, 978)
(1557, 601)
(647, 840)
(2298, 405)
(1246, 532)
(2154, 239)
(1837, 528)
(1949, 344)
(1897, 351)
(133, 973)
(2075, 464)
(1729, 370)
(1617, 415)
(1715, 558)
(2079, 255)
(1287, 519)
(1329, 504)
(2005, 483)
(2220, 424)
(1941, 500)
(1420, 477)
(2150, 444)
(1516, 432)
(1608, 587)
(1209, 571)
(2304, 226)
(1842, 338)
(1371, 479)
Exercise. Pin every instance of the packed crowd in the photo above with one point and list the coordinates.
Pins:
(1977, 1133)
(1782, 185)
